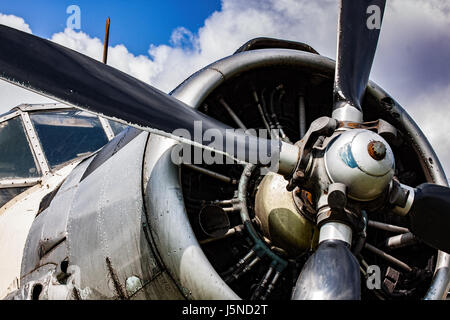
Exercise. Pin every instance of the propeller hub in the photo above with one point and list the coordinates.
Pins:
(363, 161)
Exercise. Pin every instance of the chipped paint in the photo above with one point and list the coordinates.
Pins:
(347, 157)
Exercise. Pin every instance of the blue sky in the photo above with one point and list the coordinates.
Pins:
(135, 23)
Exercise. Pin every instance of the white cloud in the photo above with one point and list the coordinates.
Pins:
(431, 110)
(223, 32)
(14, 22)
(141, 67)
(411, 62)
(412, 56)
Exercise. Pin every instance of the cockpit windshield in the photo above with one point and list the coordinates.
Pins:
(37, 140)
(16, 158)
(67, 134)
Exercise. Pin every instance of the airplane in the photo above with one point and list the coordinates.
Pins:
(354, 189)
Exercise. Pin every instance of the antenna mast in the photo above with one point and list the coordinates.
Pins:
(105, 48)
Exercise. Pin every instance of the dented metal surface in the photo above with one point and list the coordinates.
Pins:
(17, 218)
(94, 215)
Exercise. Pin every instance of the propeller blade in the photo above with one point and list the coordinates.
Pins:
(358, 31)
(74, 79)
(430, 215)
(331, 273)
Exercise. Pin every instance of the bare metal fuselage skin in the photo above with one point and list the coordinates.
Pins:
(117, 227)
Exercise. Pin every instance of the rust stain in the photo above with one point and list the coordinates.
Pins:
(117, 285)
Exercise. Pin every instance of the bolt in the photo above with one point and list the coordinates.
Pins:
(337, 196)
(299, 175)
(377, 150)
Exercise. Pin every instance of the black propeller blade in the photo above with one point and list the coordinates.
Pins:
(430, 215)
(325, 271)
(358, 31)
(79, 81)
(331, 273)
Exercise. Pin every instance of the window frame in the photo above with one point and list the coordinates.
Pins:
(34, 142)
(107, 131)
(22, 182)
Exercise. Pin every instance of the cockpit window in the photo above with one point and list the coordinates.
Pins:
(66, 135)
(117, 127)
(16, 159)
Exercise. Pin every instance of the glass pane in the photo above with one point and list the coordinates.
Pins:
(66, 135)
(16, 159)
(9, 193)
(117, 127)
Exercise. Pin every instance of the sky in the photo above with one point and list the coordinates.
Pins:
(136, 23)
(163, 42)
